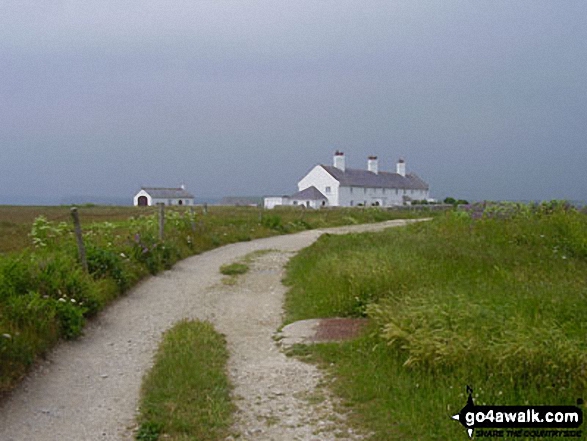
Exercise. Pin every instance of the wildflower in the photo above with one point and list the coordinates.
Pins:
(123, 255)
(564, 257)
(72, 300)
(8, 336)
(62, 300)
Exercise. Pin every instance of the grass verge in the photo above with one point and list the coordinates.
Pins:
(492, 302)
(186, 395)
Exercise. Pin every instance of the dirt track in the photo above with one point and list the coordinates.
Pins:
(88, 389)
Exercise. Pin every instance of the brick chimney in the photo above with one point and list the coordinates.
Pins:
(372, 164)
(339, 160)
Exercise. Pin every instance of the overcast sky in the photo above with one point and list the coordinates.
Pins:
(483, 99)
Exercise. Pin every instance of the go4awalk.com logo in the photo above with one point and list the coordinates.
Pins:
(520, 421)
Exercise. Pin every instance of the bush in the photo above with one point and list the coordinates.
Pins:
(71, 318)
(104, 263)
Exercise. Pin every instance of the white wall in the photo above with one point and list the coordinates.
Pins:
(353, 196)
(154, 201)
(307, 203)
(320, 178)
(138, 195)
(173, 201)
(273, 201)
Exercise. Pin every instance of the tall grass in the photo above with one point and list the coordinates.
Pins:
(494, 302)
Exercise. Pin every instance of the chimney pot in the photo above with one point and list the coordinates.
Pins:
(401, 167)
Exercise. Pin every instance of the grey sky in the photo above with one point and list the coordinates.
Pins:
(484, 99)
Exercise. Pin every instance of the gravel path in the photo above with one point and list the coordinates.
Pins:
(88, 389)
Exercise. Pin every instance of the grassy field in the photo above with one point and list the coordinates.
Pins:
(45, 294)
(493, 300)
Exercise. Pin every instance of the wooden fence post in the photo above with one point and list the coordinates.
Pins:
(161, 221)
(78, 236)
(193, 218)
(205, 208)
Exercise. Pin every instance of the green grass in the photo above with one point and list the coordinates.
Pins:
(45, 295)
(492, 303)
(234, 269)
(186, 395)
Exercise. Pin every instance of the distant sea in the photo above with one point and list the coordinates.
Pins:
(81, 200)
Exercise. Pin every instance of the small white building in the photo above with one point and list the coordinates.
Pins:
(149, 196)
(338, 186)
(309, 197)
(270, 202)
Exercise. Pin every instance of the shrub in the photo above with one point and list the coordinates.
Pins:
(104, 263)
(71, 317)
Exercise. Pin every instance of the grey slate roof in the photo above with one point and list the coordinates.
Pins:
(308, 194)
(168, 193)
(364, 178)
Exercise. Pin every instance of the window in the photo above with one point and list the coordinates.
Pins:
(365, 190)
(327, 190)
(351, 190)
(295, 202)
(396, 191)
(352, 202)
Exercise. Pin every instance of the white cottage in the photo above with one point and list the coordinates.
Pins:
(149, 196)
(338, 186)
(348, 187)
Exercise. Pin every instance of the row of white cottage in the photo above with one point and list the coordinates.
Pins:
(339, 186)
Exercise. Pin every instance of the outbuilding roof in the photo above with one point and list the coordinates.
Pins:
(308, 194)
(365, 178)
(168, 193)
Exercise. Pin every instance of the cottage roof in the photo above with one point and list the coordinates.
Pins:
(365, 178)
(168, 193)
(310, 193)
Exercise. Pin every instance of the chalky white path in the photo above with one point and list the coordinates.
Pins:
(88, 389)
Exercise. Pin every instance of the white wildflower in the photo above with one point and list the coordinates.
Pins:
(72, 300)
(8, 336)
(62, 300)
